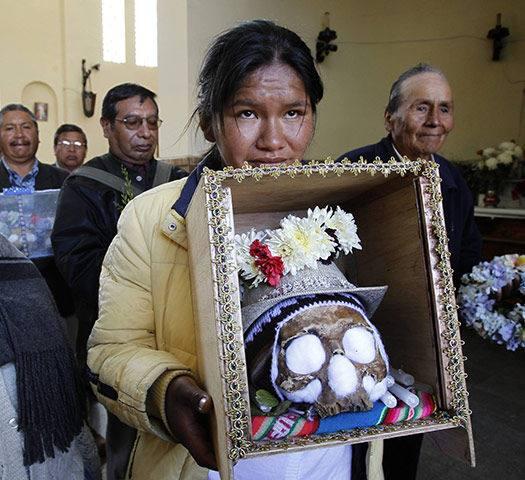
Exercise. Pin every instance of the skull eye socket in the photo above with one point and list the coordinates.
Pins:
(305, 354)
(359, 345)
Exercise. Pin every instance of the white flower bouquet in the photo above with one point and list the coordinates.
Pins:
(496, 165)
(265, 256)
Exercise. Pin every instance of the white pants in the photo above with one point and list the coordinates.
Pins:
(326, 463)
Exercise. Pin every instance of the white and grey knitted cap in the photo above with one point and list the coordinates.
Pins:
(324, 279)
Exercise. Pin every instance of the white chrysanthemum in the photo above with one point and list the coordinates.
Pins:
(300, 242)
(320, 215)
(345, 230)
(491, 163)
(518, 152)
(505, 158)
(506, 146)
(488, 152)
(245, 262)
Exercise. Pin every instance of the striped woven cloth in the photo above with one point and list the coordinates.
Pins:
(292, 424)
(402, 412)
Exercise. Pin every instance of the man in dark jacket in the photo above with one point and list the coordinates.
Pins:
(89, 208)
(90, 204)
(19, 167)
(19, 141)
(418, 118)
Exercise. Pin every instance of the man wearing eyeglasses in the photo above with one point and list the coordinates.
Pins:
(91, 202)
(93, 197)
(70, 146)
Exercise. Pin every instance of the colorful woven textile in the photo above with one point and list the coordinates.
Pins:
(426, 407)
(292, 424)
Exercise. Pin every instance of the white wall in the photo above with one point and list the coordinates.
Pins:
(377, 40)
(43, 44)
(44, 41)
(175, 97)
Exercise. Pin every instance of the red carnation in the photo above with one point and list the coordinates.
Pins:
(259, 250)
(272, 267)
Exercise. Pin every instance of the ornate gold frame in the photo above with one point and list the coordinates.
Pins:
(232, 361)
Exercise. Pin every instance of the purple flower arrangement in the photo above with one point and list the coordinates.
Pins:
(491, 300)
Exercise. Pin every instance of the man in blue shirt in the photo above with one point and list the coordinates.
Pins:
(19, 141)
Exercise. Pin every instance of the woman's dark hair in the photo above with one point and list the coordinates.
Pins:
(123, 92)
(237, 53)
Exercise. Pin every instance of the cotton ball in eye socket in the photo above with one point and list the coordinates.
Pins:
(305, 354)
(342, 376)
(308, 394)
(359, 345)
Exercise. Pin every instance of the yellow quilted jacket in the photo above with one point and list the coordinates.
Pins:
(144, 335)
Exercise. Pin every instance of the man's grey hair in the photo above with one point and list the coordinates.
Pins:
(395, 97)
(17, 107)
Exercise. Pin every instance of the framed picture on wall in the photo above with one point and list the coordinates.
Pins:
(41, 111)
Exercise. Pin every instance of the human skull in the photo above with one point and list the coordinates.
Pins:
(330, 356)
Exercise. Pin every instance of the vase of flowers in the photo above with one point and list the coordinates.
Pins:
(490, 199)
(488, 174)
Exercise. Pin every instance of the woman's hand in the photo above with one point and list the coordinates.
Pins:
(187, 409)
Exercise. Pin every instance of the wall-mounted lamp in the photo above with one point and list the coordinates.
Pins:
(324, 46)
(88, 97)
(497, 35)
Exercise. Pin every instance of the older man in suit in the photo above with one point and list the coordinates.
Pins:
(418, 118)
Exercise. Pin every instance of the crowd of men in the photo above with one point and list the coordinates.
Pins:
(92, 195)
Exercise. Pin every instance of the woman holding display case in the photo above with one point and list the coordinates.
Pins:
(258, 92)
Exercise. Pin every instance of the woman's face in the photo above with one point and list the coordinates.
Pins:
(269, 120)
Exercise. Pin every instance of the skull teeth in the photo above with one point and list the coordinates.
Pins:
(359, 345)
(305, 354)
(342, 376)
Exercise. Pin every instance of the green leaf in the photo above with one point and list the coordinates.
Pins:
(265, 399)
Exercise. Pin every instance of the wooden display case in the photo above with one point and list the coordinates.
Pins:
(397, 207)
